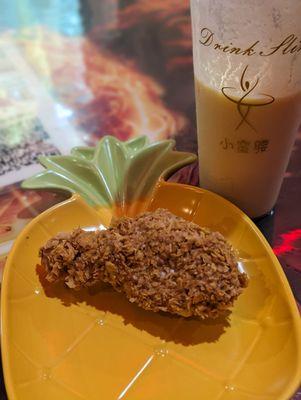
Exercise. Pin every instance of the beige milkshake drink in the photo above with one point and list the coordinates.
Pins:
(247, 67)
(246, 166)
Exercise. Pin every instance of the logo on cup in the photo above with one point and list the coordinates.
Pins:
(242, 97)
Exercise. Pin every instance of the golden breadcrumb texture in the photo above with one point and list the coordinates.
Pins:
(159, 261)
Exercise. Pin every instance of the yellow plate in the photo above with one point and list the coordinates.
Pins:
(58, 344)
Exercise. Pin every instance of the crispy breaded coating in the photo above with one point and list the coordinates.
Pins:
(159, 261)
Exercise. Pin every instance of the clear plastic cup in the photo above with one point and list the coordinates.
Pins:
(247, 67)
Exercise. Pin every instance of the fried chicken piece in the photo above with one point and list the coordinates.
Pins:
(159, 261)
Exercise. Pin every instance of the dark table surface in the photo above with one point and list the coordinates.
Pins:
(72, 71)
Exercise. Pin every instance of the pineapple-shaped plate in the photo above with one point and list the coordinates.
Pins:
(93, 344)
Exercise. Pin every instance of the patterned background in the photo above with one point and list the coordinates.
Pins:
(72, 71)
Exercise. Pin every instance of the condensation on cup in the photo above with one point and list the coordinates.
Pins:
(247, 67)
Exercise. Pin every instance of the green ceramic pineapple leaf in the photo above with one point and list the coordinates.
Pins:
(113, 172)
